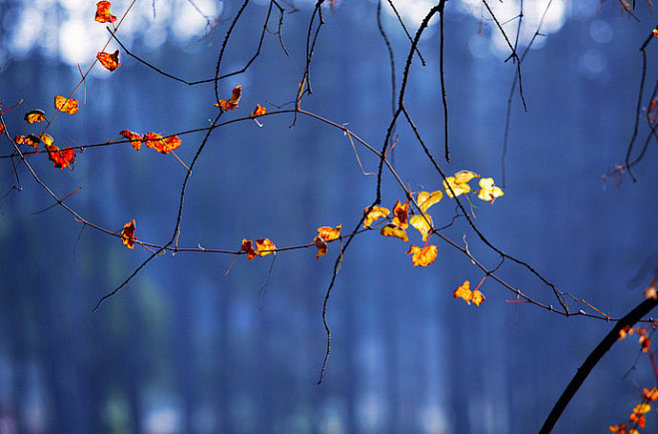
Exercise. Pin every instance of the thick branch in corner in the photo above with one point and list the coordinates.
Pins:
(593, 359)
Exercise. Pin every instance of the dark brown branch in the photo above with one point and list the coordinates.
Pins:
(593, 359)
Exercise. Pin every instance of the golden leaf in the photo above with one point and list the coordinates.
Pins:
(34, 116)
(488, 192)
(422, 223)
(422, 256)
(375, 214)
(425, 199)
(65, 105)
(109, 61)
(393, 230)
(328, 233)
(265, 247)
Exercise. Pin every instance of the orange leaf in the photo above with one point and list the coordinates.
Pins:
(30, 139)
(109, 61)
(623, 332)
(135, 139)
(393, 230)
(231, 103)
(422, 256)
(103, 13)
(375, 213)
(400, 214)
(128, 234)
(61, 157)
(464, 291)
(328, 233)
(164, 145)
(258, 111)
(477, 297)
(65, 105)
(265, 247)
(642, 408)
(321, 245)
(34, 116)
(650, 395)
(249, 248)
(639, 420)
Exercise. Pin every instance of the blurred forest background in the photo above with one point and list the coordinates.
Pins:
(184, 348)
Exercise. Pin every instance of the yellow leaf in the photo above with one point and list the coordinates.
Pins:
(265, 247)
(422, 223)
(375, 213)
(459, 183)
(393, 230)
(422, 256)
(328, 233)
(465, 176)
(488, 192)
(46, 139)
(641, 408)
(425, 199)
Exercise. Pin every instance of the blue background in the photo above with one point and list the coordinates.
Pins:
(184, 348)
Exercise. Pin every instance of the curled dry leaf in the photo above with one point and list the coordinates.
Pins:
(103, 13)
(376, 213)
(128, 234)
(395, 231)
(247, 246)
(30, 140)
(231, 103)
(65, 105)
(400, 214)
(109, 61)
(422, 256)
(258, 111)
(34, 116)
(321, 245)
